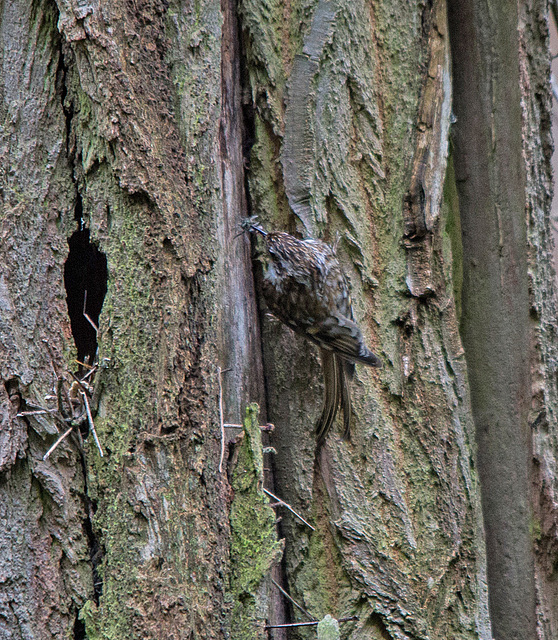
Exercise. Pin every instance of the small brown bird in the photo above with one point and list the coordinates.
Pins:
(306, 289)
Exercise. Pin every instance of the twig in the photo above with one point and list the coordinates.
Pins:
(264, 427)
(288, 506)
(86, 316)
(64, 435)
(292, 624)
(87, 366)
(37, 412)
(79, 382)
(91, 423)
(91, 323)
(305, 624)
(91, 371)
(289, 597)
(38, 406)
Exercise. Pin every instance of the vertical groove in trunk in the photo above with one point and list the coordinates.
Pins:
(240, 336)
(240, 348)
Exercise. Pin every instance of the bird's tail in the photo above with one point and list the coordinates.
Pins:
(337, 375)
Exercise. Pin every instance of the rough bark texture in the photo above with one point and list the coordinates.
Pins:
(44, 562)
(537, 149)
(338, 89)
(125, 132)
(100, 132)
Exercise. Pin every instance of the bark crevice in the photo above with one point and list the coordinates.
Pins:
(85, 279)
(79, 632)
(85, 269)
(236, 137)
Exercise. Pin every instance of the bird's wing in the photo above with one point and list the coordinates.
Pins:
(341, 335)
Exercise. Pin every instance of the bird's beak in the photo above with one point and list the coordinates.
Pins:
(250, 224)
(250, 229)
(253, 227)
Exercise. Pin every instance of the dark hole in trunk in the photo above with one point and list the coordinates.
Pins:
(85, 279)
(96, 551)
(79, 630)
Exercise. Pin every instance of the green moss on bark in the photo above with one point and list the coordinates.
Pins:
(254, 544)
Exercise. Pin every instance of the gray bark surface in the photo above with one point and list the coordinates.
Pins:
(502, 160)
(155, 127)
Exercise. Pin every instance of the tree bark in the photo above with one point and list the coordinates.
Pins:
(502, 158)
(359, 150)
(537, 152)
(136, 136)
(490, 173)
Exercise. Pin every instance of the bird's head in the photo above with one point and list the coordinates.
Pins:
(251, 225)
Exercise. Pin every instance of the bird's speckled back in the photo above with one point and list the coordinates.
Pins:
(304, 286)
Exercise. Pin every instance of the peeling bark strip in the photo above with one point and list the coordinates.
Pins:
(239, 340)
(491, 181)
(423, 201)
(299, 146)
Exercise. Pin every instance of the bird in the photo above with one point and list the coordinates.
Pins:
(304, 286)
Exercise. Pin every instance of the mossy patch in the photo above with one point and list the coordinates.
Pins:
(254, 544)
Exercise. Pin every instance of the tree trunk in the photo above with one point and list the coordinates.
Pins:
(502, 157)
(136, 137)
(398, 540)
(490, 172)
